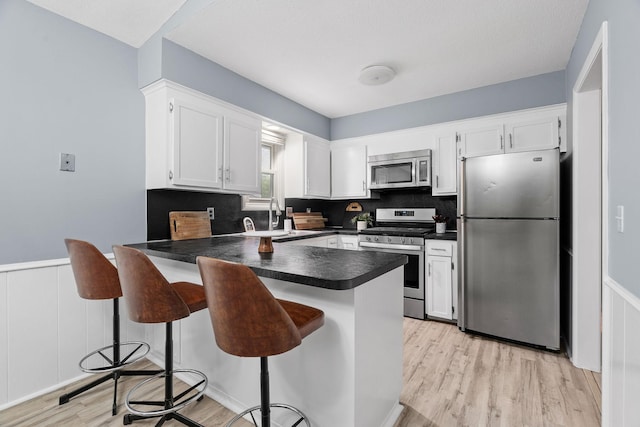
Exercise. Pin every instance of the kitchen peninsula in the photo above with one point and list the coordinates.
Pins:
(348, 373)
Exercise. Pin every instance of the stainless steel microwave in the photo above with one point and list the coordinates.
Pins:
(400, 170)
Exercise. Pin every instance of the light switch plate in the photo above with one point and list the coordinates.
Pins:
(211, 213)
(67, 162)
(620, 218)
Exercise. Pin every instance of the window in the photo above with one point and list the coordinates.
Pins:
(271, 185)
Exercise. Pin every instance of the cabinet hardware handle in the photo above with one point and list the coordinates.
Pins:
(170, 175)
(364, 185)
(437, 182)
(171, 107)
(510, 140)
(228, 173)
(220, 174)
(429, 273)
(501, 143)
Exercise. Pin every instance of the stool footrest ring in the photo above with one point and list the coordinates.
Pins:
(132, 351)
(302, 416)
(179, 401)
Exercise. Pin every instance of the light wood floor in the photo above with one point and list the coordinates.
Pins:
(457, 379)
(450, 379)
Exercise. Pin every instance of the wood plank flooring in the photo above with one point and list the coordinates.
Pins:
(457, 379)
(450, 379)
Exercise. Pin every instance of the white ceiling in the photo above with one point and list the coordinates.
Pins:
(311, 51)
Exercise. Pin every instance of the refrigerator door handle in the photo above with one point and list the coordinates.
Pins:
(461, 275)
(461, 191)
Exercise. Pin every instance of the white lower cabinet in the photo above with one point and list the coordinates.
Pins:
(442, 280)
(348, 242)
(333, 241)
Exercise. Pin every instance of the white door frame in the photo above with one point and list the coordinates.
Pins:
(590, 147)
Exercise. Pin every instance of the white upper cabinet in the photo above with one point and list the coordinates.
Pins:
(481, 141)
(445, 166)
(307, 167)
(196, 132)
(241, 170)
(195, 142)
(538, 129)
(534, 134)
(349, 171)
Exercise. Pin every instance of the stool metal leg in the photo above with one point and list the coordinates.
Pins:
(264, 392)
(265, 404)
(115, 364)
(171, 404)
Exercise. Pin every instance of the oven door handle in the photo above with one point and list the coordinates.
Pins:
(393, 247)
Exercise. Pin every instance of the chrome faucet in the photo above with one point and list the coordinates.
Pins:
(273, 223)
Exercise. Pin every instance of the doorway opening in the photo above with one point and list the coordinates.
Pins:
(589, 207)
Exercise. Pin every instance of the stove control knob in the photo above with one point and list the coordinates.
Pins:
(403, 240)
(376, 239)
(388, 239)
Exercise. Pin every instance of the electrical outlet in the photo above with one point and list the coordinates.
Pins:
(211, 213)
(67, 162)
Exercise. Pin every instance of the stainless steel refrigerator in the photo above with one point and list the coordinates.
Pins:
(508, 225)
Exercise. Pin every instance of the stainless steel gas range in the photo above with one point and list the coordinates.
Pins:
(402, 231)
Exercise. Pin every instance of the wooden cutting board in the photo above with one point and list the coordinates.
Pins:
(308, 220)
(189, 225)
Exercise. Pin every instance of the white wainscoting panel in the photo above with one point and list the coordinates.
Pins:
(621, 357)
(4, 383)
(46, 328)
(33, 331)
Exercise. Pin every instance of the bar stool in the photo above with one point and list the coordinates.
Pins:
(97, 279)
(152, 299)
(248, 321)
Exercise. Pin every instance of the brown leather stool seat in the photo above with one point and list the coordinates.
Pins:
(249, 321)
(97, 279)
(152, 299)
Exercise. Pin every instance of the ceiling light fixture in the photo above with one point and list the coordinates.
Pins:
(376, 75)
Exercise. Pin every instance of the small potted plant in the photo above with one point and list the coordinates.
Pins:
(362, 220)
(441, 223)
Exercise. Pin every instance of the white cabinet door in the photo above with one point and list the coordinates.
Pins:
(317, 161)
(242, 153)
(348, 242)
(445, 167)
(535, 134)
(482, 141)
(442, 280)
(307, 167)
(197, 143)
(349, 172)
(439, 294)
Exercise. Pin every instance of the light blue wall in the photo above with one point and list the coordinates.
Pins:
(192, 70)
(537, 91)
(67, 89)
(624, 130)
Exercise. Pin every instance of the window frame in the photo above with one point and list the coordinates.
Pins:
(256, 203)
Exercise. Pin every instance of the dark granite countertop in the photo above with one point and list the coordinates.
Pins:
(449, 235)
(321, 267)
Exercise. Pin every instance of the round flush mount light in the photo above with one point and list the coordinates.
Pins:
(376, 75)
